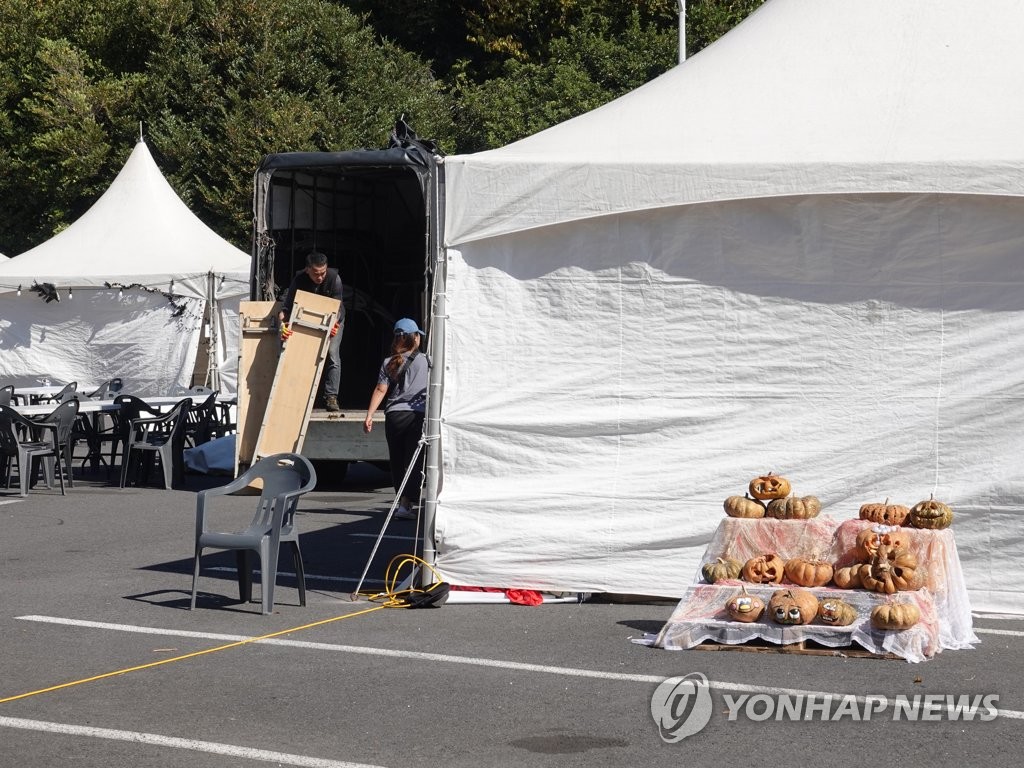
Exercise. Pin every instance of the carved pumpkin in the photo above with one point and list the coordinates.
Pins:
(764, 569)
(890, 571)
(794, 508)
(769, 487)
(808, 573)
(744, 607)
(849, 577)
(722, 568)
(895, 616)
(836, 612)
(884, 513)
(870, 539)
(744, 506)
(792, 606)
(931, 514)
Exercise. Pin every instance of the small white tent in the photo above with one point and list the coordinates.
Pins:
(799, 251)
(135, 277)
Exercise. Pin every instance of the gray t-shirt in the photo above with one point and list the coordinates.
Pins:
(410, 392)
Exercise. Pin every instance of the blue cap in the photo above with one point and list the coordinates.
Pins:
(405, 325)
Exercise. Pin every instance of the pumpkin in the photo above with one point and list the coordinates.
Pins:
(764, 569)
(931, 514)
(870, 539)
(722, 568)
(744, 607)
(895, 616)
(890, 571)
(794, 508)
(744, 506)
(792, 606)
(836, 612)
(848, 577)
(808, 572)
(769, 487)
(884, 513)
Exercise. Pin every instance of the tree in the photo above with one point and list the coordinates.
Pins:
(215, 83)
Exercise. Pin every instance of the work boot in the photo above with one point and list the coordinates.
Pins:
(331, 403)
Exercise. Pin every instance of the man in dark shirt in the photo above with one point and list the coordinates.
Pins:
(317, 278)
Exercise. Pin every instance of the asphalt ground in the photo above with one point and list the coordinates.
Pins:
(102, 663)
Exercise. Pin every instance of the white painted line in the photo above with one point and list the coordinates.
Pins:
(1007, 632)
(10, 501)
(155, 739)
(309, 576)
(449, 659)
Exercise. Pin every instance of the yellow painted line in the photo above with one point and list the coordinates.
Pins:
(192, 655)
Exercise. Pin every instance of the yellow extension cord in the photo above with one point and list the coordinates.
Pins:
(391, 598)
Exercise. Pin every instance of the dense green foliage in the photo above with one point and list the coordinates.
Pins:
(216, 84)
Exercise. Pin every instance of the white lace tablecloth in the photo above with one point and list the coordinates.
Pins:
(945, 608)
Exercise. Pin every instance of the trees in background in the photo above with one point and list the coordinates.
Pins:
(216, 84)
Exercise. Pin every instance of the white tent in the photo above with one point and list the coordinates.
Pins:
(135, 275)
(799, 251)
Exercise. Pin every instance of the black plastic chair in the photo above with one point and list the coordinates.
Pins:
(157, 437)
(108, 390)
(129, 409)
(285, 477)
(63, 418)
(35, 446)
(69, 391)
(203, 421)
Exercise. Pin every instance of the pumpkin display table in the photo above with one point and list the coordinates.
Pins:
(942, 599)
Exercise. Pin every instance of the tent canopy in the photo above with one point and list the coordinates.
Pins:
(174, 271)
(139, 231)
(798, 252)
(830, 96)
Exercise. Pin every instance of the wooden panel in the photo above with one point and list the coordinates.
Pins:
(298, 373)
(257, 363)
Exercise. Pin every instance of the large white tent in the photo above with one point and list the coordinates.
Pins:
(135, 275)
(799, 251)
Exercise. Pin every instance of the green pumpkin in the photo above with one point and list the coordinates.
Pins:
(722, 568)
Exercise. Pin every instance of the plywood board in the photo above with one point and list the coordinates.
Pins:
(258, 352)
(298, 373)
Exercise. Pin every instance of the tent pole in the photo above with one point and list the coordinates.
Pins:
(213, 352)
(435, 380)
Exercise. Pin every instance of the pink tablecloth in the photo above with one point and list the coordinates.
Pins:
(945, 608)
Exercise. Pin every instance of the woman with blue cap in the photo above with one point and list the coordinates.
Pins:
(402, 387)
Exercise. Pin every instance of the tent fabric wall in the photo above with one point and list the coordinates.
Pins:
(98, 335)
(796, 252)
(144, 271)
(606, 400)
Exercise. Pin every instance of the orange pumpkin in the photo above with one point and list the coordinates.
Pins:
(767, 568)
(744, 607)
(884, 513)
(895, 616)
(792, 606)
(836, 612)
(744, 506)
(808, 572)
(794, 508)
(848, 577)
(931, 514)
(769, 487)
(870, 539)
(891, 570)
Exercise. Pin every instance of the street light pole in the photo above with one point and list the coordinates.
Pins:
(682, 31)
